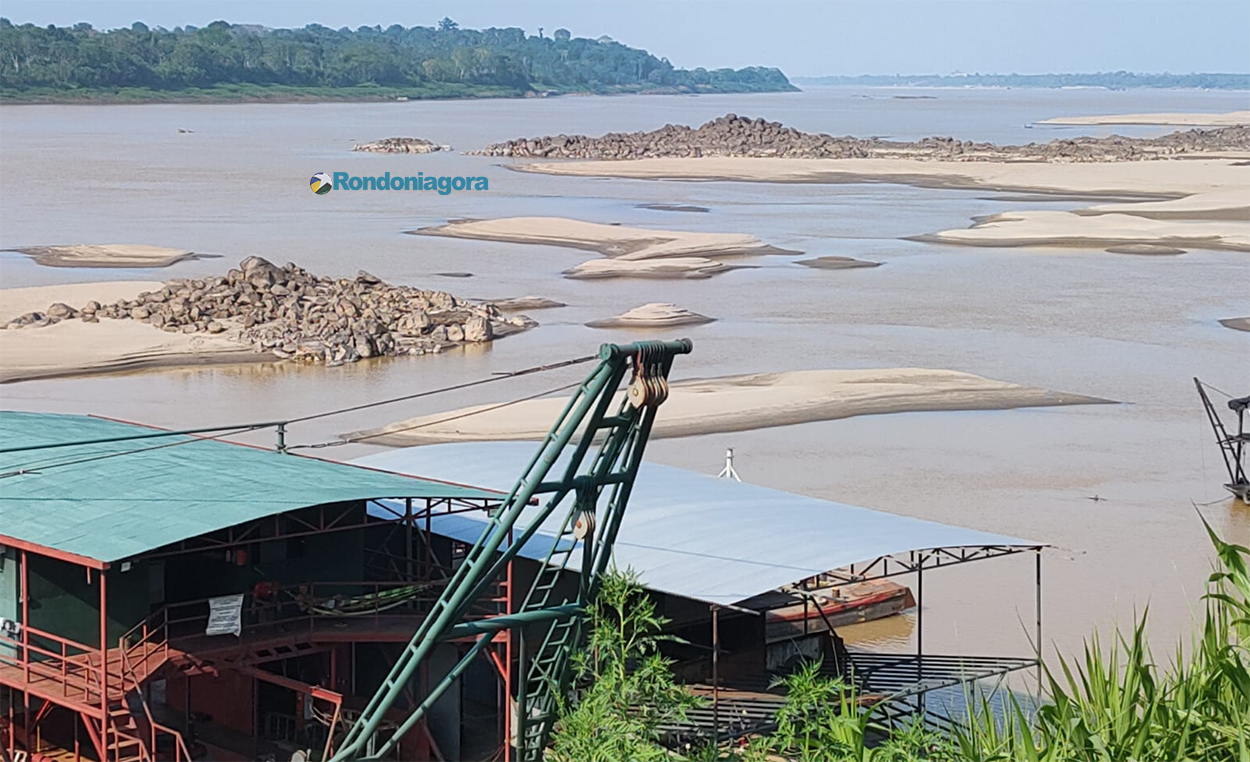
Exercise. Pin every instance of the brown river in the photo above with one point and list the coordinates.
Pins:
(1125, 328)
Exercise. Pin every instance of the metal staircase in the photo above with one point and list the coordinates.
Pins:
(621, 438)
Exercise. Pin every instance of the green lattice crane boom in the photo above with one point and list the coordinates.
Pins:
(585, 530)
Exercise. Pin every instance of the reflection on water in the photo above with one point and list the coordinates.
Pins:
(892, 634)
(1133, 329)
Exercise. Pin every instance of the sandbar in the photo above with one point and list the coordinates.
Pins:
(630, 252)
(520, 303)
(107, 255)
(836, 263)
(74, 347)
(742, 403)
(674, 208)
(669, 268)
(1175, 193)
(1051, 228)
(1193, 120)
(653, 315)
(609, 240)
(1146, 250)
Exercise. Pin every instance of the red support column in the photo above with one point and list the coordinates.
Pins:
(104, 662)
(25, 592)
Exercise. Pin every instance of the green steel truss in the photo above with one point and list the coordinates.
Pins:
(584, 530)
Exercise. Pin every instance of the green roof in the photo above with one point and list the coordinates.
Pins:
(113, 508)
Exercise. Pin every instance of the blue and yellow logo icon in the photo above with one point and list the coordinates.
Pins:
(321, 184)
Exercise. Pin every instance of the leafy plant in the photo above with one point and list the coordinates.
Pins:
(629, 691)
(1114, 703)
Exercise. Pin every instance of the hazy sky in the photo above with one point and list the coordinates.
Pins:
(801, 37)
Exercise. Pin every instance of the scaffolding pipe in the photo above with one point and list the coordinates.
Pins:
(1038, 605)
(715, 676)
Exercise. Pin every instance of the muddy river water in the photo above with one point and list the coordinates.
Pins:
(1127, 328)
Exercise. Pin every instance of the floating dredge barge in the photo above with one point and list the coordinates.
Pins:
(166, 596)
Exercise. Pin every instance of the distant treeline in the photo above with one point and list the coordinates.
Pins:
(1116, 80)
(51, 62)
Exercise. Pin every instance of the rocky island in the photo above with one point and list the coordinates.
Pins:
(259, 308)
(738, 136)
(400, 145)
(1186, 189)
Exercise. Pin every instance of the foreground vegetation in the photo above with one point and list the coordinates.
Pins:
(1113, 704)
(245, 62)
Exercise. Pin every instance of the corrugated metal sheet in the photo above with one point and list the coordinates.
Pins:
(697, 536)
(114, 508)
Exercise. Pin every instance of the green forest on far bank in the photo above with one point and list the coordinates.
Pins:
(236, 61)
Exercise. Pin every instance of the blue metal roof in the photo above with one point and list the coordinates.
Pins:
(94, 501)
(697, 536)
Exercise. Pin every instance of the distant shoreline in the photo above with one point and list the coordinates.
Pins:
(1102, 80)
(803, 85)
(231, 94)
(275, 95)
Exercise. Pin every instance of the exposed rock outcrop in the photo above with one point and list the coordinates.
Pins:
(293, 314)
(400, 145)
(732, 135)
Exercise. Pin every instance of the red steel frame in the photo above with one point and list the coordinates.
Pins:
(80, 680)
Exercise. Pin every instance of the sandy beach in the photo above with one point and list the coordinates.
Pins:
(1183, 120)
(107, 255)
(742, 403)
(75, 348)
(1201, 202)
(631, 252)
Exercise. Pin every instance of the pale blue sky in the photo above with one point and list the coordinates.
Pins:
(801, 37)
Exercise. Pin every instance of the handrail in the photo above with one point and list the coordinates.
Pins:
(153, 725)
(66, 641)
(82, 670)
(181, 752)
(153, 630)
